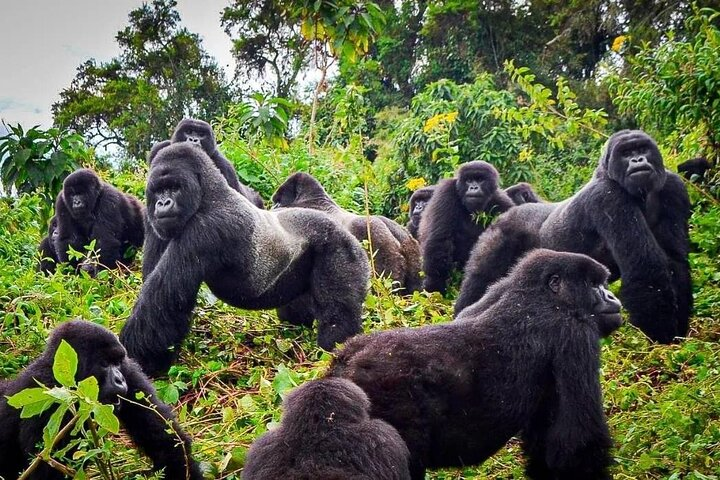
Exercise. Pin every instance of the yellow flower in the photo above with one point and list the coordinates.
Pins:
(415, 184)
(618, 43)
(435, 121)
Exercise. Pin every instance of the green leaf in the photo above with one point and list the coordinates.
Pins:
(27, 396)
(65, 364)
(105, 417)
(53, 425)
(89, 388)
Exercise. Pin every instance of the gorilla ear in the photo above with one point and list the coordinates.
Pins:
(554, 283)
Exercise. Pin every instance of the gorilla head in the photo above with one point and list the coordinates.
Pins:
(196, 133)
(173, 189)
(80, 191)
(633, 160)
(522, 193)
(301, 190)
(477, 183)
(91, 341)
(418, 200)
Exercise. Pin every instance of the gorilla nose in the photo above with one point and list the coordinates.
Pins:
(77, 203)
(164, 205)
(639, 159)
(118, 382)
(610, 298)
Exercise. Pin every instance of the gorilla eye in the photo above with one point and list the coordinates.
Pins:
(554, 283)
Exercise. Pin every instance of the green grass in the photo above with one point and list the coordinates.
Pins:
(663, 402)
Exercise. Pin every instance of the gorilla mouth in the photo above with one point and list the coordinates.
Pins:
(643, 169)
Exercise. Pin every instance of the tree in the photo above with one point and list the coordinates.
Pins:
(162, 75)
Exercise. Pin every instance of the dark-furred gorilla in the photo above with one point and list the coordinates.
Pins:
(397, 254)
(326, 434)
(89, 209)
(522, 361)
(149, 422)
(250, 258)
(199, 134)
(696, 166)
(418, 202)
(46, 249)
(632, 217)
(459, 211)
(521, 193)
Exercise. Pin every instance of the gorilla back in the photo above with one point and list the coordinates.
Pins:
(250, 258)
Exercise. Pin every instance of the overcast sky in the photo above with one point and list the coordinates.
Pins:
(44, 41)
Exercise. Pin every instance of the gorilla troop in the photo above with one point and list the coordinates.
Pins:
(199, 134)
(327, 434)
(250, 258)
(418, 202)
(89, 209)
(632, 217)
(457, 392)
(396, 253)
(460, 210)
(149, 422)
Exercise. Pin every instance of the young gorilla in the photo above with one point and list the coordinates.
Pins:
(326, 434)
(250, 258)
(632, 217)
(696, 166)
(521, 193)
(149, 422)
(46, 249)
(199, 134)
(89, 209)
(397, 254)
(460, 210)
(418, 202)
(524, 360)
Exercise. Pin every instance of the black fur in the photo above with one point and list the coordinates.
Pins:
(418, 201)
(696, 166)
(633, 220)
(326, 434)
(397, 254)
(454, 219)
(521, 193)
(250, 258)
(100, 355)
(89, 209)
(522, 361)
(48, 257)
(199, 134)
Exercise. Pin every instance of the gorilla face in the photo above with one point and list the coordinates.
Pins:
(80, 191)
(476, 184)
(196, 133)
(173, 196)
(634, 161)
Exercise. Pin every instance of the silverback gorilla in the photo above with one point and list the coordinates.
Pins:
(326, 434)
(522, 193)
(89, 209)
(149, 422)
(199, 134)
(524, 360)
(459, 211)
(397, 254)
(418, 201)
(632, 217)
(250, 258)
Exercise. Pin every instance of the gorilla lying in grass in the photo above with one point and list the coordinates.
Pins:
(326, 434)
(149, 422)
(250, 258)
(397, 254)
(632, 217)
(522, 361)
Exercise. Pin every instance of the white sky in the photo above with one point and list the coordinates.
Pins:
(42, 42)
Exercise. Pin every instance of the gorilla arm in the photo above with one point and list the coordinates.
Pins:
(153, 428)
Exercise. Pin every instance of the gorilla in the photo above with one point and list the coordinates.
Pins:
(523, 361)
(326, 434)
(150, 423)
(46, 249)
(418, 202)
(632, 217)
(397, 254)
(250, 258)
(460, 210)
(89, 209)
(199, 134)
(522, 193)
(696, 166)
